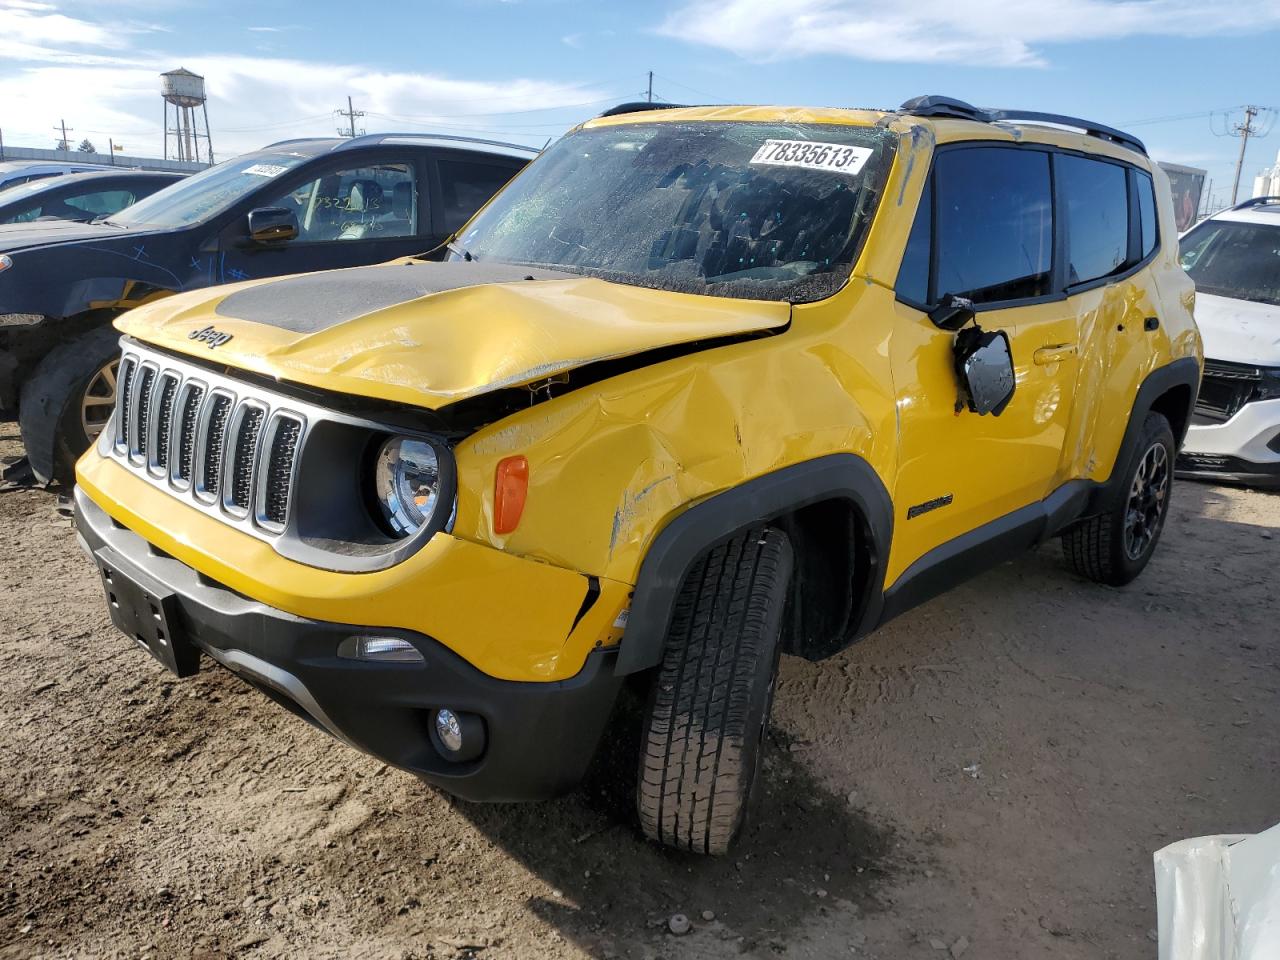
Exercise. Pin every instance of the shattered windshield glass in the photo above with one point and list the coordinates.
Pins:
(764, 211)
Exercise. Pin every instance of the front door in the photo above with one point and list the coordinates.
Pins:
(984, 231)
(359, 211)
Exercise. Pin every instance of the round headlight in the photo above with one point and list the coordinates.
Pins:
(5, 261)
(407, 482)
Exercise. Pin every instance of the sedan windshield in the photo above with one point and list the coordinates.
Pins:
(1231, 258)
(765, 211)
(208, 192)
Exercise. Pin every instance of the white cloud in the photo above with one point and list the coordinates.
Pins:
(978, 32)
(104, 85)
(36, 24)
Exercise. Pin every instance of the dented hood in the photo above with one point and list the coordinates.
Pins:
(431, 334)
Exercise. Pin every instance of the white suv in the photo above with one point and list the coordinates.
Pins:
(1234, 258)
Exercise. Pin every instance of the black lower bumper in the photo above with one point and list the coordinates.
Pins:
(1225, 469)
(540, 737)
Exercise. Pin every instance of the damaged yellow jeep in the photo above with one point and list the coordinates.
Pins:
(700, 387)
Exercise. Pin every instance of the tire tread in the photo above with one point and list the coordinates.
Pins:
(699, 749)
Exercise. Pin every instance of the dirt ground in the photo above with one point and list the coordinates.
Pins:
(988, 777)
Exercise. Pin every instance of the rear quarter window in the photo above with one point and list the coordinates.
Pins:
(1147, 213)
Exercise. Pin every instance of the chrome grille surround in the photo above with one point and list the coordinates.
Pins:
(233, 450)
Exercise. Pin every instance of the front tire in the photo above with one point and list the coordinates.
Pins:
(67, 401)
(1116, 545)
(709, 705)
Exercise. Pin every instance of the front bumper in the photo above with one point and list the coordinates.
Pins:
(540, 736)
(1244, 449)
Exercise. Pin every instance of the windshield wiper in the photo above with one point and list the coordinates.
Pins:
(461, 251)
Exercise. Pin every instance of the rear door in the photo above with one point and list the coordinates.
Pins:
(1110, 225)
(465, 182)
(985, 230)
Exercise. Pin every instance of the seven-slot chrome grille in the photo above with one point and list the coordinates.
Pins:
(227, 447)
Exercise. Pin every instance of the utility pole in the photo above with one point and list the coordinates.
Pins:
(650, 86)
(1244, 131)
(65, 144)
(350, 113)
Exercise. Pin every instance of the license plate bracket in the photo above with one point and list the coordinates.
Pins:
(143, 608)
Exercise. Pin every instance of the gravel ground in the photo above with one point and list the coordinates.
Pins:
(988, 776)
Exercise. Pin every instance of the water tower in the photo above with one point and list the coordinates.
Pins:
(184, 92)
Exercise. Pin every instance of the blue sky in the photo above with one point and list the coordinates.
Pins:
(526, 69)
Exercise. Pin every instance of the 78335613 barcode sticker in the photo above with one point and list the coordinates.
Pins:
(812, 155)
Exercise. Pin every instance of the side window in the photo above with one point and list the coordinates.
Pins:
(1147, 213)
(467, 185)
(361, 203)
(994, 224)
(1095, 203)
(913, 275)
(100, 202)
(26, 215)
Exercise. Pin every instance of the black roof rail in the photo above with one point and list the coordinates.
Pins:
(1256, 202)
(938, 106)
(638, 106)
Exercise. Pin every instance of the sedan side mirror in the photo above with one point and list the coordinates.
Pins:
(984, 365)
(272, 225)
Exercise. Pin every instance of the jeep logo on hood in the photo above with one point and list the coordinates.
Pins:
(209, 335)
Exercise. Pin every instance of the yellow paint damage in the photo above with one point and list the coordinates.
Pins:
(445, 347)
(613, 462)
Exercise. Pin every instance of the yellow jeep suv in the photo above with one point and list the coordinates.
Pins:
(701, 386)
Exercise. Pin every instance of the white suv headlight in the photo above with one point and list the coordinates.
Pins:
(407, 483)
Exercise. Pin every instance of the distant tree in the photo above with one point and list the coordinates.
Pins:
(86, 146)
(61, 145)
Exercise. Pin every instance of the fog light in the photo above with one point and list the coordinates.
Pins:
(379, 649)
(449, 730)
(458, 736)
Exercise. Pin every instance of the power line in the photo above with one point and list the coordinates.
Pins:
(281, 123)
(1174, 118)
(685, 86)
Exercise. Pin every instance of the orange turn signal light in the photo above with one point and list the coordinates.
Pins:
(510, 490)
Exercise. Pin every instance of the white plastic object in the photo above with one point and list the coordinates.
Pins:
(1218, 898)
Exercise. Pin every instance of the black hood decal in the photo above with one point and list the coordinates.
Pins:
(317, 301)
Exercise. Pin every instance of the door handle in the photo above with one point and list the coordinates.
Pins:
(1052, 353)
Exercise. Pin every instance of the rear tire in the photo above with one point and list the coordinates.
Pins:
(57, 414)
(1116, 545)
(709, 705)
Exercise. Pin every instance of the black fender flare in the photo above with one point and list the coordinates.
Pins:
(839, 476)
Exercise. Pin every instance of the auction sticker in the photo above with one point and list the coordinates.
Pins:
(812, 155)
(265, 170)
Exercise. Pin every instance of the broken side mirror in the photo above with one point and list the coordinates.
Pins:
(984, 366)
(272, 225)
(952, 312)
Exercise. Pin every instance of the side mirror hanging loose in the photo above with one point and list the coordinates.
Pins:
(984, 367)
